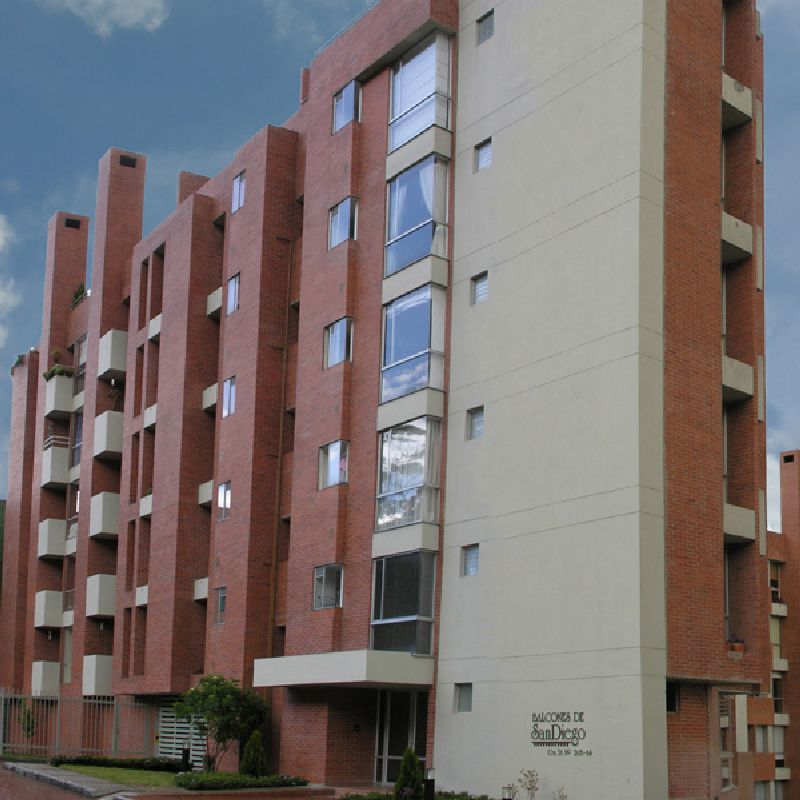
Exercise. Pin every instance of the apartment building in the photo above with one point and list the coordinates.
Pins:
(438, 414)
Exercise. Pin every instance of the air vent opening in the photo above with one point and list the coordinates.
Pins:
(127, 161)
(71, 222)
(788, 459)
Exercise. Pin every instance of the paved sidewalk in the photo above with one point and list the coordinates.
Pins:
(85, 785)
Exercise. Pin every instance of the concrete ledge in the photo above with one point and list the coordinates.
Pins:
(779, 610)
(737, 103)
(422, 536)
(369, 668)
(423, 403)
(737, 380)
(432, 269)
(739, 524)
(737, 239)
(433, 140)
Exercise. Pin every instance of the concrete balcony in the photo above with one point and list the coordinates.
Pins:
(214, 304)
(97, 675)
(781, 720)
(78, 402)
(75, 473)
(146, 505)
(103, 515)
(149, 417)
(58, 400)
(71, 546)
(68, 618)
(739, 524)
(421, 536)
(45, 678)
(141, 596)
(55, 463)
(737, 239)
(205, 493)
(349, 667)
(101, 595)
(779, 610)
(737, 380)
(47, 609)
(780, 664)
(200, 589)
(737, 103)
(108, 436)
(210, 399)
(113, 354)
(52, 538)
(783, 773)
(154, 329)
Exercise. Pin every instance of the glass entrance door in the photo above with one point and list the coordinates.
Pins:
(402, 723)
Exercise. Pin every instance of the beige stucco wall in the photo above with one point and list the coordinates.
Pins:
(564, 491)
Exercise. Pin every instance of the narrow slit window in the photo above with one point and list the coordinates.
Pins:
(224, 501)
(333, 464)
(221, 597)
(229, 396)
(233, 294)
(342, 222)
(485, 27)
(463, 697)
(483, 155)
(470, 560)
(237, 193)
(346, 106)
(338, 343)
(475, 423)
(328, 586)
(479, 288)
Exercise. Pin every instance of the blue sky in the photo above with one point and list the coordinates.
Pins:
(186, 82)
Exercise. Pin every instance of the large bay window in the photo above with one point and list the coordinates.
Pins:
(413, 343)
(408, 475)
(417, 214)
(402, 613)
(420, 91)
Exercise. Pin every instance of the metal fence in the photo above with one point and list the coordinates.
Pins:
(49, 726)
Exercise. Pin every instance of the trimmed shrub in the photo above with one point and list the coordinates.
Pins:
(209, 781)
(253, 761)
(409, 785)
(151, 764)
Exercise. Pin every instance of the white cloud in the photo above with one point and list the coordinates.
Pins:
(10, 298)
(312, 20)
(104, 16)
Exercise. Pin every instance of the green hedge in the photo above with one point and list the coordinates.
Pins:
(199, 781)
(439, 796)
(152, 764)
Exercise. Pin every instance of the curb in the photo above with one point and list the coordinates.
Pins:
(63, 782)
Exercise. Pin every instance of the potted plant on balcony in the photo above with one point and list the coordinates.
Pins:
(735, 644)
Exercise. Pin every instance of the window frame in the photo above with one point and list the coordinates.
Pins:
(479, 295)
(469, 570)
(322, 572)
(355, 110)
(480, 149)
(224, 497)
(475, 430)
(238, 191)
(233, 284)
(462, 697)
(229, 396)
(425, 602)
(323, 466)
(220, 604)
(348, 342)
(484, 28)
(352, 221)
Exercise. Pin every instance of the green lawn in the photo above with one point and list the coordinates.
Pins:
(128, 777)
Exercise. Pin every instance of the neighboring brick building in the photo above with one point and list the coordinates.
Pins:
(460, 447)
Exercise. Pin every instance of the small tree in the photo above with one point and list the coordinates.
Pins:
(560, 793)
(223, 713)
(529, 782)
(409, 784)
(253, 762)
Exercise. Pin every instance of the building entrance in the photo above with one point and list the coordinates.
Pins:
(402, 723)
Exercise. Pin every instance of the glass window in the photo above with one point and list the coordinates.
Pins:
(778, 790)
(221, 598)
(338, 342)
(479, 288)
(470, 559)
(402, 616)
(237, 194)
(229, 396)
(485, 27)
(777, 741)
(417, 214)
(224, 500)
(463, 697)
(413, 343)
(775, 581)
(346, 105)
(333, 464)
(483, 155)
(475, 423)
(77, 439)
(342, 222)
(420, 91)
(777, 694)
(408, 477)
(673, 697)
(761, 790)
(233, 294)
(761, 738)
(328, 586)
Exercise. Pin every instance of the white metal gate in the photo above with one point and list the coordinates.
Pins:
(175, 734)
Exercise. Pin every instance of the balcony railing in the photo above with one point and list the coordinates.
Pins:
(55, 441)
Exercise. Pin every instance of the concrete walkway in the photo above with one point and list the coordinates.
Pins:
(85, 785)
